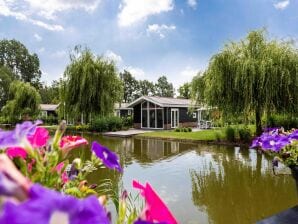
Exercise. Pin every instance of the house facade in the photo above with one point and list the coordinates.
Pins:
(47, 110)
(151, 112)
(122, 110)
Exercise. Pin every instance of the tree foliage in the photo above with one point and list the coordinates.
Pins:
(24, 101)
(14, 55)
(51, 94)
(185, 90)
(130, 86)
(92, 84)
(163, 88)
(255, 75)
(6, 77)
(146, 88)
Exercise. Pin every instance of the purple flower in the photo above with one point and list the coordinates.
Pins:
(275, 143)
(294, 135)
(13, 138)
(109, 158)
(256, 143)
(47, 206)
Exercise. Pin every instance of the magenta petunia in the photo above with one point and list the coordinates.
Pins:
(109, 158)
(155, 209)
(68, 143)
(39, 138)
(16, 152)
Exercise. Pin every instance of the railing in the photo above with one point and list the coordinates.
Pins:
(202, 124)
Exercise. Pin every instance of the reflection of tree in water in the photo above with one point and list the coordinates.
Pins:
(237, 193)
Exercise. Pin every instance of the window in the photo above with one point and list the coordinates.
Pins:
(129, 112)
(194, 115)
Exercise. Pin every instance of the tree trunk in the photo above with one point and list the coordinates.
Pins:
(258, 122)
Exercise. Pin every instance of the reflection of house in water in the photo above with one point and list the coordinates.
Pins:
(148, 150)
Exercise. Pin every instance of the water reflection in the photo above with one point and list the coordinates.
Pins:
(240, 188)
(200, 183)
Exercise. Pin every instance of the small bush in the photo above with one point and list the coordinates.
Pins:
(177, 129)
(103, 124)
(287, 122)
(230, 134)
(217, 136)
(189, 129)
(127, 121)
(245, 134)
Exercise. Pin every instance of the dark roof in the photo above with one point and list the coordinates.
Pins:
(164, 101)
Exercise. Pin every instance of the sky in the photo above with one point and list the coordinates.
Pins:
(149, 38)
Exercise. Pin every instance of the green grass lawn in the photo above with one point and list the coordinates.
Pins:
(203, 135)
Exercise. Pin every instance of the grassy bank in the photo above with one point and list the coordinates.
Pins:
(218, 134)
(204, 135)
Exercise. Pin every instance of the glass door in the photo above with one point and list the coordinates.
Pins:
(174, 118)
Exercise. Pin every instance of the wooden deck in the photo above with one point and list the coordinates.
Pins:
(289, 216)
(125, 134)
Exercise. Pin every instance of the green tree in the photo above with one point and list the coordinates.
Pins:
(6, 77)
(14, 55)
(164, 88)
(197, 86)
(92, 85)
(51, 94)
(146, 88)
(254, 76)
(185, 91)
(24, 101)
(130, 86)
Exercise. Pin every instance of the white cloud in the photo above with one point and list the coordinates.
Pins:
(136, 72)
(41, 50)
(59, 54)
(282, 4)
(161, 30)
(37, 37)
(192, 3)
(133, 11)
(50, 8)
(189, 72)
(26, 10)
(9, 8)
(113, 56)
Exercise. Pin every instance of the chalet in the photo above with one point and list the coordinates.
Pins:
(122, 110)
(49, 110)
(151, 112)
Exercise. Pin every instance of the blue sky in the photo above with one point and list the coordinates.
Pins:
(150, 38)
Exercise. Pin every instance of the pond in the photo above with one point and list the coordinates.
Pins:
(201, 183)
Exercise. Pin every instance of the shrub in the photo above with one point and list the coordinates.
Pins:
(177, 129)
(245, 134)
(189, 129)
(285, 121)
(230, 134)
(127, 121)
(102, 124)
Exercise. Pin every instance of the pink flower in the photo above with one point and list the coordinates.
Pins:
(59, 167)
(39, 138)
(70, 142)
(14, 152)
(64, 177)
(155, 209)
(30, 165)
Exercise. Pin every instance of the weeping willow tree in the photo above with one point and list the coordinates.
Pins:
(92, 85)
(23, 102)
(253, 76)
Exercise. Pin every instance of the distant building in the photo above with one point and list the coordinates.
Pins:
(153, 112)
(49, 110)
(122, 110)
